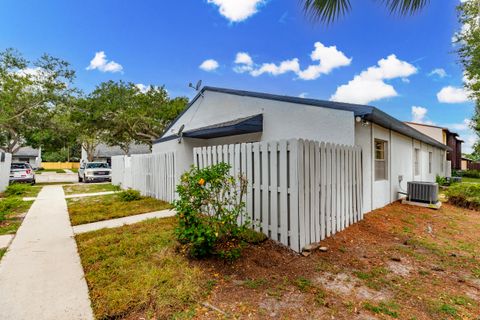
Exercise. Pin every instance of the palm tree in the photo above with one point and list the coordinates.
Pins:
(328, 11)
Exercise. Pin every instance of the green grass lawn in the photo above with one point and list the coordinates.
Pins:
(89, 188)
(2, 253)
(470, 180)
(12, 207)
(92, 209)
(11, 211)
(135, 272)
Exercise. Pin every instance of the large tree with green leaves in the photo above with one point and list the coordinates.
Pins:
(330, 10)
(468, 42)
(29, 94)
(119, 114)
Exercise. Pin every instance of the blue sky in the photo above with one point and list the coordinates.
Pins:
(366, 57)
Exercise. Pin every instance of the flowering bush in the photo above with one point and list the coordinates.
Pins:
(208, 208)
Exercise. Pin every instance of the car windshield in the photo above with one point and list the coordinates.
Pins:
(16, 166)
(98, 165)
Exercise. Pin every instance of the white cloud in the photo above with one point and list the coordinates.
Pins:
(237, 10)
(144, 88)
(101, 63)
(303, 95)
(209, 65)
(419, 114)
(243, 58)
(370, 84)
(244, 62)
(327, 58)
(452, 94)
(271, 68)
(439, 72)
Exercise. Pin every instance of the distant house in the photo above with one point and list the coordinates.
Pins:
(466, 163)
(28, 155)
(445, 136)
(104, 153)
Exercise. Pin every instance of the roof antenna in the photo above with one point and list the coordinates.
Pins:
(196, 87)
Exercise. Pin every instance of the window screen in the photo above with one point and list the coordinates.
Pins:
(380, 160)
(416, 161)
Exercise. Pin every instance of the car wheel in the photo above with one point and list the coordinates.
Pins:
(33, 182)
(80, 179)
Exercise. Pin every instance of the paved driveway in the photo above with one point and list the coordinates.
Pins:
(53, 177)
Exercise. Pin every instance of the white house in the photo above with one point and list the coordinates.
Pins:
(28, 155)
(392, 152)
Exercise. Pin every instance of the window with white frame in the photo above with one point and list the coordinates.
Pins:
(416, 161)
(430, 159)
(381, 160)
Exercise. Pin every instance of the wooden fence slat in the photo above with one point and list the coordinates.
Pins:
(317, 192)
(334, 189)
(249, 173)
(323, 190)
(264, 188)
(257, 186)
(312, 194)
(301, 192)
(274, 191)
(328, 202)
(294, 195)
(283, 189)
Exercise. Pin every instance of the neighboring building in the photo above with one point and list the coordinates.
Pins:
(28, 155)
(392, 152)
(104, 153)
(466, 163)
(445, 136)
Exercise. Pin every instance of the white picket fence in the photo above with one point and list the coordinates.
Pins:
(152, 174)
(5, 163)
(299, 192)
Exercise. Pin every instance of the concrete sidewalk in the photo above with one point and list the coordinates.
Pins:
(41, 276)
(114, 223)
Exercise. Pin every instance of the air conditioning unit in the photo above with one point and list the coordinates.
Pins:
(425, 192)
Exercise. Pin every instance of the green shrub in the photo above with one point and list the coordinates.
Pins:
(442, 181)
(17, 189)
(470, 173)
(210, 203)
(129, 195)
(465, 195)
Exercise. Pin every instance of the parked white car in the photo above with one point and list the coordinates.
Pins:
(21, 172)
(94, 171)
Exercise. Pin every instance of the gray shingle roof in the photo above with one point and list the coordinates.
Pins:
(26, 152)
(105, 151)
(366, 112)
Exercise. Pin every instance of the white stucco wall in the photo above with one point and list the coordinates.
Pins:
(281, 120)
(400, 163)
(5, 171)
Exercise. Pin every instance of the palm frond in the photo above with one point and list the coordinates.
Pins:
(405, 7)
(326, 10)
